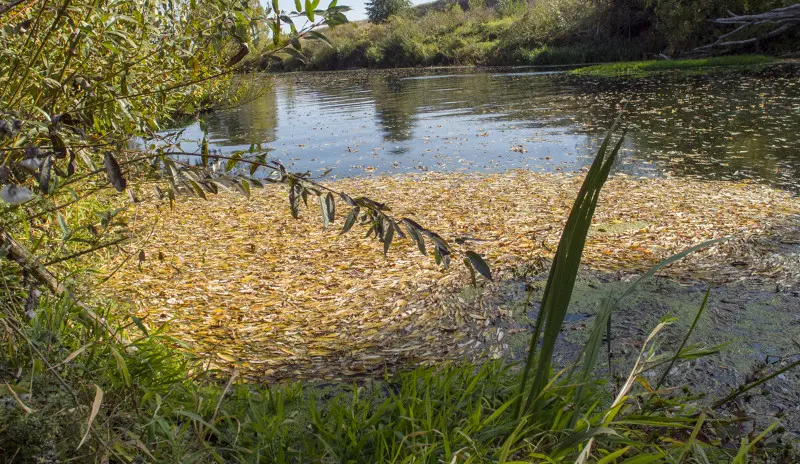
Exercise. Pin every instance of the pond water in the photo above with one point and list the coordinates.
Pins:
(723, 125)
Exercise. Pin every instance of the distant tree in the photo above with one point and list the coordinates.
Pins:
(379, 11)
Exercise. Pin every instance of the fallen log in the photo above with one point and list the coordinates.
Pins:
(782, 20)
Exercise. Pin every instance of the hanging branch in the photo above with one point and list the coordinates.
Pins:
(184, 178)
(781, 20)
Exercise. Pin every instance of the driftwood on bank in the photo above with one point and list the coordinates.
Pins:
(17, 253)
(781, 20)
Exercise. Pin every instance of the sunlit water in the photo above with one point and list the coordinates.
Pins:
(718, 126)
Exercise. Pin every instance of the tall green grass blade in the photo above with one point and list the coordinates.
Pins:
(563, 272)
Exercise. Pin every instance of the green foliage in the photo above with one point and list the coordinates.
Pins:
(379, 11)
(545, 32)
(643, 68)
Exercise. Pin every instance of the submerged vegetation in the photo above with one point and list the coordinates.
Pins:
(86, 378)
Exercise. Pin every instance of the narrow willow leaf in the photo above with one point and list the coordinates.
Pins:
(319, 36)
(231, 163)
(444, 253)
(413, 230)
(304, 195)
(98, 400)
(324, 211)
(310, 10)
(479, 264)
(122, 367)
(63, 224)
(351, 219)
(387, 239)
(298, 6)
(346, 198)
(45, 171)
(245, 187)
(114, 173)
(71, 164)
(195, 187)
(87, 160)
(397, 228)
(211, 187)
(59, 147)
(330, 207)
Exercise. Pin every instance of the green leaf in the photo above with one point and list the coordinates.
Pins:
(246, 188)
(310, 10)
(479, 264)
(139, 324)
(319, 36)
(298, 6)
(413, 231)
(122, 367)
(324, 211)
(351, 219)
(63, 223)
(197, 189)
(231, 163)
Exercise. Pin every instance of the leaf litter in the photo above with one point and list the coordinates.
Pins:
(245, 285)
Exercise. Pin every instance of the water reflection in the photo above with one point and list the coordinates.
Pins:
(716, 126)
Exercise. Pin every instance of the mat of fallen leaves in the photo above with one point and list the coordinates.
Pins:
(244, 284)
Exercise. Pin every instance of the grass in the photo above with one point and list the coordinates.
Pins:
(643, 68)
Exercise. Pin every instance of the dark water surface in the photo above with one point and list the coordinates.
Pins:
(718, 126)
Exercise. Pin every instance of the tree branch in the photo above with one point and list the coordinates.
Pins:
(18, 254)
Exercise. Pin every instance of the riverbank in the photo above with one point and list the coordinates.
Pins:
(547, 32)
